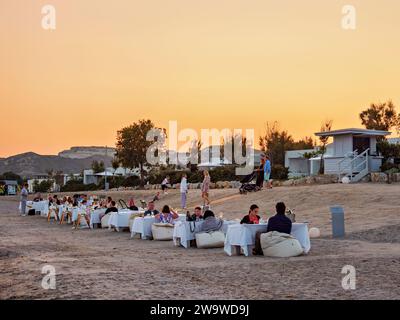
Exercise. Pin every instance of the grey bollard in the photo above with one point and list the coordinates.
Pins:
(337, 214)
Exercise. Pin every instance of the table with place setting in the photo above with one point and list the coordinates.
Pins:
(142, 226)
(121, 218)
(185, 231)
(241, 237)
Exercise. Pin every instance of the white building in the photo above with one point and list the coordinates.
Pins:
(352, 154)
(89, 177)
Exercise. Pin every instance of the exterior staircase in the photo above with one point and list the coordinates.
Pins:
(354, 168)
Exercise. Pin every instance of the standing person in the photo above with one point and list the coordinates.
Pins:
(24, 199)
(184, 191)
(267, 173)
(260, 172)
(205, 189)
(164, 185)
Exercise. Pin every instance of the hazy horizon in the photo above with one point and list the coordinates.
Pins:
(207, 64)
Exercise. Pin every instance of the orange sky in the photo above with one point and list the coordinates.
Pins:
(208, 63)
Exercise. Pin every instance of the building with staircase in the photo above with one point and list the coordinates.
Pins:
(352, 155)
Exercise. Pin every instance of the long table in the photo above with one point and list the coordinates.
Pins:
(185, 231)
(121, 218)
(40, 206)
(142, 226)
(243, 236)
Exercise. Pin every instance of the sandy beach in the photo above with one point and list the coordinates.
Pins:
(100, 264)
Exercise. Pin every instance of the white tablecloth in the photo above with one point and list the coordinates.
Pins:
(41, 206)
(243, 235)
(95, 216)
(142, 226)
(185, 231)
(121, 219)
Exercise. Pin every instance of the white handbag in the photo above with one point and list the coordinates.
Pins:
(205, 240)
(162, 231)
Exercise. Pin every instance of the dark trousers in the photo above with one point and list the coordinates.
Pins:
(257, 248)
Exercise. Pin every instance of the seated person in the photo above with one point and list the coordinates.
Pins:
(196, 216)
(210, 222)
(108, 202)
(167, 215)
(131, 205)
(56, 201)
(112, 207)
(280, 223)
(252, 217)
(85, 213)
(151, 210)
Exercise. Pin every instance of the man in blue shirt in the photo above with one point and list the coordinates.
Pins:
(267, 173)
(279, 222)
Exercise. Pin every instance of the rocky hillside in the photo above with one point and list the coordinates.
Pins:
(30, 164)
(86, 152)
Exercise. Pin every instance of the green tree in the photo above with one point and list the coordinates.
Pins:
(11, 176)
(42, 187)
(97, 166)
(381, 116)
(132, 146)
(304, 144)
(275, 143)
(326, 127)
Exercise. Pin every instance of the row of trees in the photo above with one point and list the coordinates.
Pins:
(132, 144)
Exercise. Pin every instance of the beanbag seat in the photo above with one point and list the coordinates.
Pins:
(280, 245)
(206, 240)
(162, 231)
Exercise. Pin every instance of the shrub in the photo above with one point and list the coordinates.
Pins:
(388, 166)
(43, 186)
(279, 172)
(225, 173)
(132, 181)
(77, 185)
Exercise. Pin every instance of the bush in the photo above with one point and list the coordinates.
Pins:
(174, 175)
(132, 181)
(77, 185)
(43, 186)
(387, 166)
(195, 177)
(225, 173)
(279, 172)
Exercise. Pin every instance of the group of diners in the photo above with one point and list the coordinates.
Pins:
(86, 205)
(63, 208)
(279, 223)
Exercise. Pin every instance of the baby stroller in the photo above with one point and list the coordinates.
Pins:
(248, 184)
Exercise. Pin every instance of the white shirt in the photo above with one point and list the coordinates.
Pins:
(184, 186)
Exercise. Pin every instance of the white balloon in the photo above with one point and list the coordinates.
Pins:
(314, 233)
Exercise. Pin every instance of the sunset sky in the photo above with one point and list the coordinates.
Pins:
(205, 63)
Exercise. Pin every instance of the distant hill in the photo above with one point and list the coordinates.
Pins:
(31, 164)
(86, 152)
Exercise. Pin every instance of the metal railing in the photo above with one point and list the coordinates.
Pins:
(352, 167)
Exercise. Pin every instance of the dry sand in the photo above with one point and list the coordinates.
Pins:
(99, 264)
